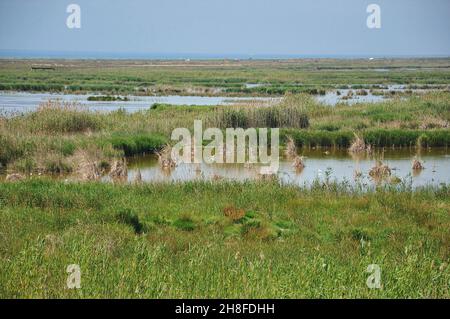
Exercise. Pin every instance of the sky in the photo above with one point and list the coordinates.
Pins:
(226, 28)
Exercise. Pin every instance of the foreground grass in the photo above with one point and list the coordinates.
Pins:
(174, 240)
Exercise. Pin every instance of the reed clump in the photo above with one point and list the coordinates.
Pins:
(417, 165)
(87, 167)
(299, 163)
(165, 158)
(358, 145)
(291, 149)
(138, 177)
(119, 169)
(380, 171)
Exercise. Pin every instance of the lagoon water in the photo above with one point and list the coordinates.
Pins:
(338, 164)
(20, 102)
(12, 103)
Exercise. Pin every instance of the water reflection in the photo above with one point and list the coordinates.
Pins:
(334, 165)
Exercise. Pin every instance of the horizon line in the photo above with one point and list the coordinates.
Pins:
(105, 55)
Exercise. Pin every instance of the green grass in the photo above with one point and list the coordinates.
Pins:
(135, 144)
(174, 241)
(206, 77)
(374, 137)
(220, 239)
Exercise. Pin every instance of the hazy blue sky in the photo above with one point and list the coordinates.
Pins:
(224, 27)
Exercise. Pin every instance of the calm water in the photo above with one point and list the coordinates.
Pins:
(333, 98)
(339, 163)
(18, 102)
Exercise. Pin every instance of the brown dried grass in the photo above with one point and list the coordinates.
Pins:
(380, 170)
(358, 145)
(87, 167)
(417, 165)
(233, 213)
(119, 169)
(14, 177)
(291, 149)
(299, 163)
(165, 158)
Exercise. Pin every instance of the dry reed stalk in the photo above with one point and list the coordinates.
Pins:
(87, 169)
(119, 169)
(233, 213)
(380, 170)
(431, 123)
(357, 174)
(14, 177)
(299, 163)
(417, 165)
(138, 177)
(165, 158)
(267, 177)
(291, 149)
(358, 145)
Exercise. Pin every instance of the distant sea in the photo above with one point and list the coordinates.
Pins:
(22, 54)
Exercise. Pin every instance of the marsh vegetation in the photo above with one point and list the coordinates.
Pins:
(212, 237)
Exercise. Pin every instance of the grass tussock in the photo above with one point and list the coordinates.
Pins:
(417, 165)
(299, 163)
(358, 145)
(380, 171)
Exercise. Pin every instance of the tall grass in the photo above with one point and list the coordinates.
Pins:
(62, 117)
(177, 240)
(374, 137)
(292, 113)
